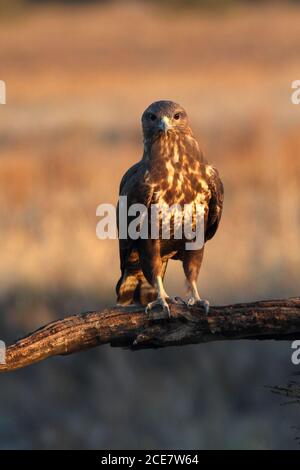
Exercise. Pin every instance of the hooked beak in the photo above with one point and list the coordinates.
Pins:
(164, 124)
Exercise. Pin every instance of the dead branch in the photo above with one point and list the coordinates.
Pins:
(130, 327)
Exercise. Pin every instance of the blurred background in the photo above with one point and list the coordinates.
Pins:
(78, 77)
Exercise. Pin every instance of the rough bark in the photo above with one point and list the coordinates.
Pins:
(130, 327)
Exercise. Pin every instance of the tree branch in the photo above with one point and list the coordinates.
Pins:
(130, 327)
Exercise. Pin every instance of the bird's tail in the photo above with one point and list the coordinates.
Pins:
(135, 289)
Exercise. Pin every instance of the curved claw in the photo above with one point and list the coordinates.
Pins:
(199, 303)
(161, 303)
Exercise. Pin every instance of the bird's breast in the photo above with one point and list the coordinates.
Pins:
(181, 183)
(178, 178)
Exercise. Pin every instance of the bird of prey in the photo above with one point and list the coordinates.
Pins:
(171, 171)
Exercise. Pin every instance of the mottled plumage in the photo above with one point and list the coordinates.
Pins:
(172, 171)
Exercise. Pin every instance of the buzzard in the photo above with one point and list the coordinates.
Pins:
(171, 171)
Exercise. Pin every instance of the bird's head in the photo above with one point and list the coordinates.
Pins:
(162, 117)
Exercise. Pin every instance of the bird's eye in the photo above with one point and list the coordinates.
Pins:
(177, 116)
(152, 116)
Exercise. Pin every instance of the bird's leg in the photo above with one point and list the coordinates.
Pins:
(195, 298)
(153, 270)
(191, 264)
(162, 297)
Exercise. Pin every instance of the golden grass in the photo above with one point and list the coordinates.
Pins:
(77, 82)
